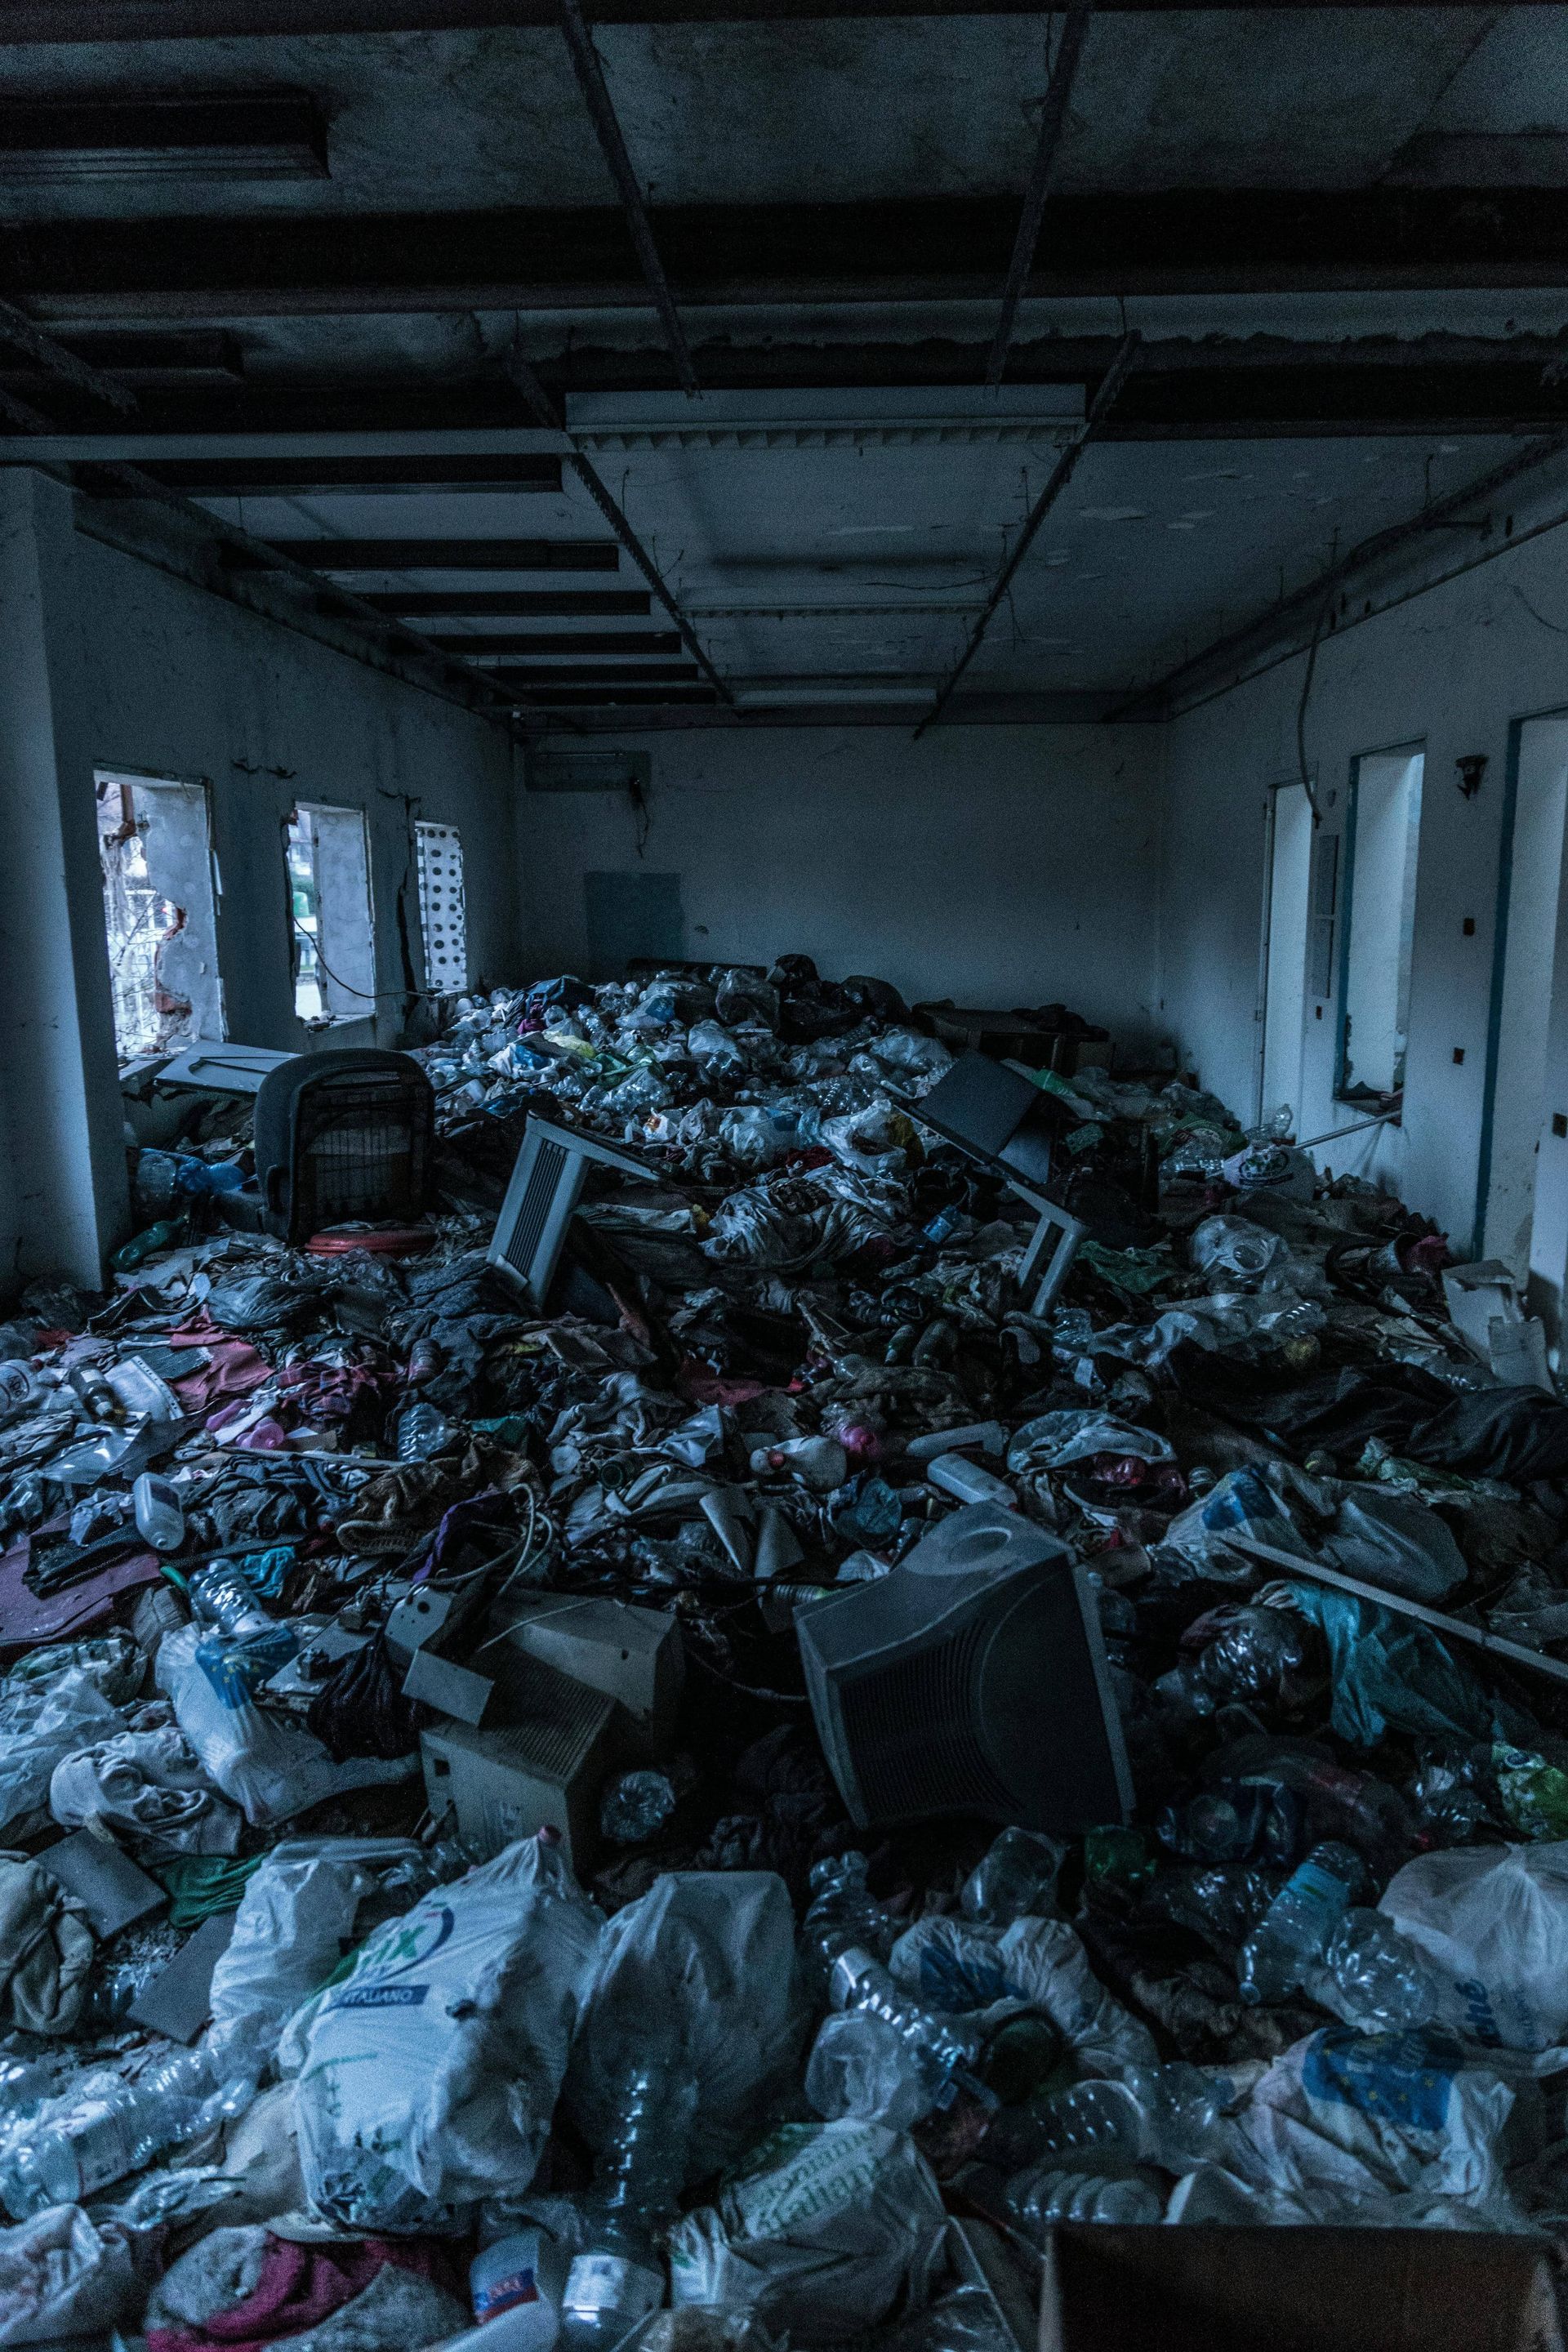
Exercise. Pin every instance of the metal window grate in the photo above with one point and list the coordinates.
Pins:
(442, 919)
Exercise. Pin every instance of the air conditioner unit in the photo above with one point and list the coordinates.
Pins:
(973, 1679)
(546, 1185)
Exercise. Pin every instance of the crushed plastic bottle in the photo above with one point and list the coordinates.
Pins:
(107, 2128)
(221, 1596)
(1154, 2114)
(1293, 1934)
(1015, 1880)
(843, 1912)
(1036, 2200)
(635, 1807)
(945, 2054)
(1374, 1977)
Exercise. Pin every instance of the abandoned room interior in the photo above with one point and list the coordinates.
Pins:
(783, 1365)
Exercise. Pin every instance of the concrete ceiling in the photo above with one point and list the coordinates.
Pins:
(1343, 234)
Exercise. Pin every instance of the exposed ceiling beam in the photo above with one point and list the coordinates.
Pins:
(566, 698)
(28, 21)
(1053, 116)
(451, 554)
(590, 72)
(1061, 475)
(280, 135)
(518, 604)
(597, 673)
(548, 645)
(1170, 241)
(541, 406)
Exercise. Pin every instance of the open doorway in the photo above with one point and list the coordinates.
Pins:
(1383, 832)
(160, 911)
(1285, 948)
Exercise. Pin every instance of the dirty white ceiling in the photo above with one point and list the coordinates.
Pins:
(1368, 201)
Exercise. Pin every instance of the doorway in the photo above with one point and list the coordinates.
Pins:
(1522, 1205)
(1285, 948)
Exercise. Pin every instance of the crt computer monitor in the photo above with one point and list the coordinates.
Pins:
(998, 1117)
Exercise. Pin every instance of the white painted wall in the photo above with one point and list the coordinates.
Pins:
(1450, 668)
(997, 866)
(113, 663)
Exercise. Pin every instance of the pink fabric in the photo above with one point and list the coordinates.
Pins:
(299, 2286)
(235, 1368)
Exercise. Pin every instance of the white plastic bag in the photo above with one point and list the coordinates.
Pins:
(956, 1964)
(700, 1974)
(428, 2077)
(268, 1768)
(1494, 1921)
(147, 1788)
(1345, 2121)
(828, 2230)
(294, 1924)
(40, 1728)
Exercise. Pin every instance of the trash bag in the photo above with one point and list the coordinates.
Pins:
(428, 2077)
(268, 1768)
(40, 1725)
(700, 1973)
(1344, 2122)
(956, 1964)
(1493, 1920)
(1393, 1539)
(1390, 1673)
(826, 2229)
(295, 1921)
(1241, 1503)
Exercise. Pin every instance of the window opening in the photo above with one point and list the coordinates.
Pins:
(327, 858)
(1384, 824)
(160, 909)
(442, 919)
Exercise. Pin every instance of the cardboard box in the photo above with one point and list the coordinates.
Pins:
(1113, 2289)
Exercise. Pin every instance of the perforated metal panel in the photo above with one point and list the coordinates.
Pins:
(442, 915)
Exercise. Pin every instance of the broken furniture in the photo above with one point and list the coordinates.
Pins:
(546, 1185)
(340, 1136)
(1001, 1118)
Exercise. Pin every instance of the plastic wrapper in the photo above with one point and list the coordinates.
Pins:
(826, 2229)
(64, 2277)
(428, 2076)
(960, 1966)
(265, 1767)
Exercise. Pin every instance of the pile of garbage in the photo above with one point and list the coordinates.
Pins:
(320, 1569)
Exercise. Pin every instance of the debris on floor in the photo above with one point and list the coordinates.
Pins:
(779, 1696)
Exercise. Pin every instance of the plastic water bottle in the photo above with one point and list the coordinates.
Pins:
(159, 1516)
(1016, 1880)
(516, 2286)
(1293, 1933)
(102, 2131)
(618, 2278)
(861, 2067)
(1374, 1978)
(843, 1912)
(1038, 2200)
(943, 2053)
(221, 1596)
(1158, 2115)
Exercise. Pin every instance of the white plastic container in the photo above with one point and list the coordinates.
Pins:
(160, 1516)
(956, 1475)
(516, 2286)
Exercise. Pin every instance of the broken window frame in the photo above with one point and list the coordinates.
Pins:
(182, 969)
(331, 936)
(443, 906)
